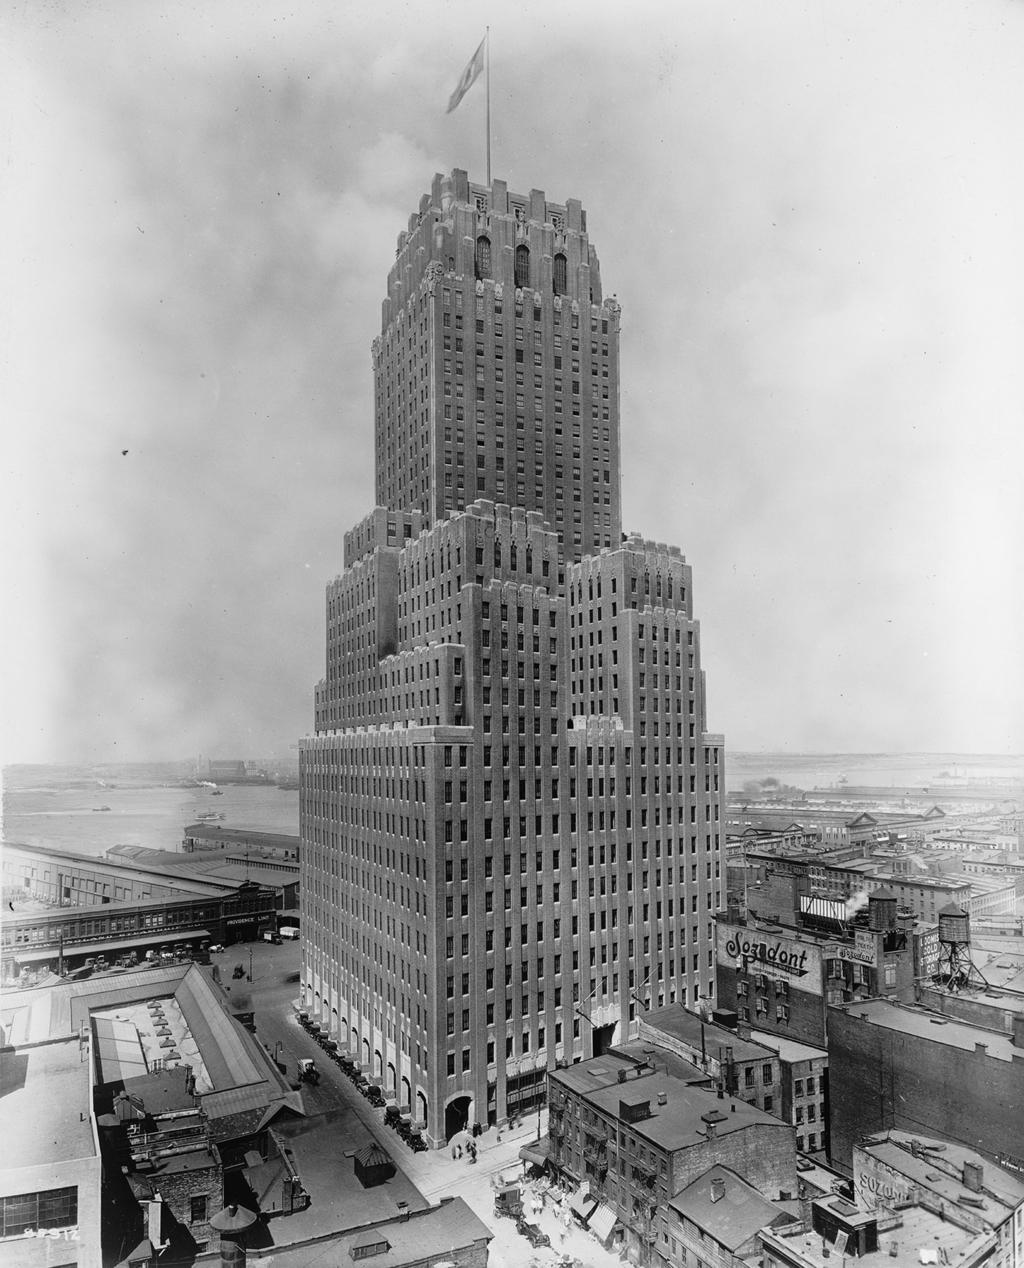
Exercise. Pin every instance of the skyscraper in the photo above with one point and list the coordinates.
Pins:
(511, 806)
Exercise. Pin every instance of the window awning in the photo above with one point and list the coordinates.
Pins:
(602, 1222)
(536, 1153)
(582, 1204)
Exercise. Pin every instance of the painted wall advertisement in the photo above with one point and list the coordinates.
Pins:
(863, 951)
(781, 958)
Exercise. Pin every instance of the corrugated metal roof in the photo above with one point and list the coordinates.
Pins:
(227, 1058)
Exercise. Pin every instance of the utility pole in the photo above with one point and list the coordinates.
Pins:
(250, 964)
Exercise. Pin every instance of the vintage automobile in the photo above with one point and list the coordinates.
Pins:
(508, 1202)
(308, 1073)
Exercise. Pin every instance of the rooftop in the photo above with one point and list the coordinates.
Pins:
(211, 831)
(678, 1124)
(415, 1238)
(938, 1165)
(598, 1072)
(691, 1029)
(909, 1020)
(789, 1049)
(323, 1149)
(645, 1052)
(731, 1211)
(45, 1103)
(916, 1228)
(235, 1072)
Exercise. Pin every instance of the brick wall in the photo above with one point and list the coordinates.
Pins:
(882, 1078)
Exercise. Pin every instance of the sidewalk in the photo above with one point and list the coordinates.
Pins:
(437, 1174)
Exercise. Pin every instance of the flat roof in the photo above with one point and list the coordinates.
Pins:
(438, 1231)
(241, 1073)
(935, 1027)
(678, 1124)
(938, 1165)
(283, 840)
(917, 1227)
(679, 1023)
(46, 1102)
(789, 1049)
(643, 1051)
(585, 1076)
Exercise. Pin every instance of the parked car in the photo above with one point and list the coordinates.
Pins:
(215, 947)
(533, 1233)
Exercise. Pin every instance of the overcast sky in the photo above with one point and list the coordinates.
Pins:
(811, 213)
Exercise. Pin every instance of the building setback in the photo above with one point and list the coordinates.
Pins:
(511, 805)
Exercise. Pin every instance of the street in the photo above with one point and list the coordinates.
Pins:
(434, 1173)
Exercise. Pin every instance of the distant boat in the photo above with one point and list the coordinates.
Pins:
(209, 815)
(216, 793)
(288, 785)
(96, 809)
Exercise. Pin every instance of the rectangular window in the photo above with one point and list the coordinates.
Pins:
(197, 1208)
(56, 1208)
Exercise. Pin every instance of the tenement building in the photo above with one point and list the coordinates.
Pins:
(511, 805)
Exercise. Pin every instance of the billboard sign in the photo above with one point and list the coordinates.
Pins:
(782, 958)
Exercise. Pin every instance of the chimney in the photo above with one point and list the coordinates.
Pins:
(743, 1029)
(154, 1221)
(717, 1189)
(974, 1174)
(662, 1098)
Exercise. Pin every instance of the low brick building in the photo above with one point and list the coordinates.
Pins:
(900, 1066)
(736, 1063)
(889, 1169)
(633, 1137)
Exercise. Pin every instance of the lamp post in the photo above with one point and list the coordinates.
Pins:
(250, 964)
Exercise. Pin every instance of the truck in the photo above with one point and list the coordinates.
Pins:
(289, 931)
(271, 935)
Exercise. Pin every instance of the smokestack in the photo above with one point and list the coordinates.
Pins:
(974, 1174)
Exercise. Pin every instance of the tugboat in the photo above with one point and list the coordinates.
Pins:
(97, 809)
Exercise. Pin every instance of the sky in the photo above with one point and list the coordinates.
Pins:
(809, 210)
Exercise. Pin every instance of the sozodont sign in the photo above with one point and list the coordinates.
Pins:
(753, 951)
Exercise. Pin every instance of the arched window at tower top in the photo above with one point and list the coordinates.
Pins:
(483, 257)
(560, 274)
(522, 266)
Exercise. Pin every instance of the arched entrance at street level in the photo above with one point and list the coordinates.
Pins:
(366, 1054)
(378, 1065)
(406, 1092)
(334, 1022)
(421, 1110)
(456, 1115)
(392, 1078)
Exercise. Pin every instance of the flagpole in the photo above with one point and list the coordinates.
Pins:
(487, 38)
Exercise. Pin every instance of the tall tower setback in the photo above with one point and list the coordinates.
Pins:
(511, 805)
(486, 383)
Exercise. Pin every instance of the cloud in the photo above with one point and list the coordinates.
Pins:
(805, 211)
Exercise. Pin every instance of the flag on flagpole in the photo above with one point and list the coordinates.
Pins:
(468, 77)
